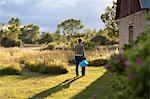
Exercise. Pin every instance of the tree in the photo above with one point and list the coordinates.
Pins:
(13, 32)
(30, 33)
(15, 21)
(46, 38)
(70, 27)
(2, 30)
(13, 29)
(10, 32)
(56, 35)
(89, 34)
(109, 20)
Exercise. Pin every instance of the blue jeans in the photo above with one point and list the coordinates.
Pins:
(79, 59)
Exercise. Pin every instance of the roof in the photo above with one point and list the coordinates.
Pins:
(145, 4)
(128, 7)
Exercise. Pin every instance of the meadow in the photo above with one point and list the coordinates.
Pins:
(32, 83)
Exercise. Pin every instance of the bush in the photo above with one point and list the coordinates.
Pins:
(49, 47)
(99, 39)
(89, 45)
(97, 62)
(63, 46)
(11, 70)
(131, 44)
(112, 42)
(11, 43)
(46, 67)
(117, 63)
(19, 43)
(134, 66)
(47, 38)
(139, 70)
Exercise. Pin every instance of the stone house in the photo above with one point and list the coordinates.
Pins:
(131, 15)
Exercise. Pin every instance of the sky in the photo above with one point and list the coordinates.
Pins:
(48, 13)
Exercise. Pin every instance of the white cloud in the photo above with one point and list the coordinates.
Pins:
(2, 2)
(8, 14)
(57, 3)
(48, 13)
(18, 2)
(39, 17)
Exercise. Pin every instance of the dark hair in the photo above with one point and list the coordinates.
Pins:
(79, 40)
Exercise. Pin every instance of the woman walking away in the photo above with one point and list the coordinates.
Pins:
(79, 56)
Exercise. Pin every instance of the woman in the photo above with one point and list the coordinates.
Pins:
(79, 56)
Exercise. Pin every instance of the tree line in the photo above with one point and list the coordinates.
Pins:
(13, 34)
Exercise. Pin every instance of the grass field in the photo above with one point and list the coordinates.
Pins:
(67, 86)
(96, 83)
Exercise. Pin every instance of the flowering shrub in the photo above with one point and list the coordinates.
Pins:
(134, 66)
(138, 73)
(117, 63)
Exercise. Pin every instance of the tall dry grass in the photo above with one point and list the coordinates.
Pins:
(16, 55)
(57, 59)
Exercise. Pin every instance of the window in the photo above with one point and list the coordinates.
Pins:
(130, 33)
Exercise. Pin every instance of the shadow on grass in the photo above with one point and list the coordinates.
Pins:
(63, 85)
(99, 89)
(28, 75)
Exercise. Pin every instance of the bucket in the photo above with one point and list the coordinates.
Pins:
(83, 63)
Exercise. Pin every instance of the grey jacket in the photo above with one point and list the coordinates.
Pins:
(79, 50)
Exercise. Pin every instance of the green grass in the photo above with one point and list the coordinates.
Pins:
(99, 89)
(66, 86)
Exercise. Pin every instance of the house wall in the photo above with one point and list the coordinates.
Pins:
(139, 22)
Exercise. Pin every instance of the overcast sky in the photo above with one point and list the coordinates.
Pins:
(48, 13)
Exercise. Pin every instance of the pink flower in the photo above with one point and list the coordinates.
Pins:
(139, 61)
(121, 56)
(94, 96)
(107, 66)
(131, 77)
(128, 64)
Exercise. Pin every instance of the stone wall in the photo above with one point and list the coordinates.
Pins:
(137, 20)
